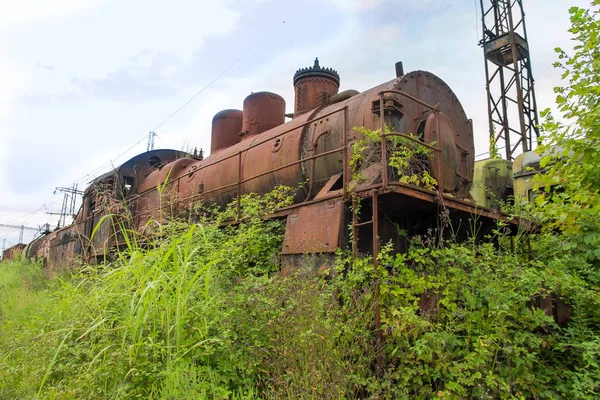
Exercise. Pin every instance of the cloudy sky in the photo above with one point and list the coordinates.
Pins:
(82, 82)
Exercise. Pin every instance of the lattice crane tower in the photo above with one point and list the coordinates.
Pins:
(512, 109)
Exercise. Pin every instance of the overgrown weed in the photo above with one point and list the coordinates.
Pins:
(202, 313)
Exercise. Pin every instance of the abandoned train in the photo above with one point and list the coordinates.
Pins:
(254, 149)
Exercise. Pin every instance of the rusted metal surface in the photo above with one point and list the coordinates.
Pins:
(313, 87)
(269, 159)
(401, 111)
(447, 167)
(262, 111)
(112, 192)
(342, 96)
(314, 228)
(13, 252)
(383, 142)
(332, 187)
(413, 139)
(354, 227)
(160, 203)
(67, 246)
(226, 129)
(310, 153)
(375, 239)
(554, 306)
(422, 92)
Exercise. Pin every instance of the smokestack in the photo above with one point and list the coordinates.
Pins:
(399, 69)
(313, 87)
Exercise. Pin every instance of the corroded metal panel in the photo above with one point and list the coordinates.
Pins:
(13, 252)
(492, 182)
(314, 86)
(314, 228)
(447, 167)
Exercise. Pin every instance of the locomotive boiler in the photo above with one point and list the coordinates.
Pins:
(254, 150)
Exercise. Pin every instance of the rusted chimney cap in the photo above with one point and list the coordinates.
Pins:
(228, 113)
(317, 70)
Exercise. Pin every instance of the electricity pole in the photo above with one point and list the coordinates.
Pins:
(21, 228)
(151, 136)
(68, 205)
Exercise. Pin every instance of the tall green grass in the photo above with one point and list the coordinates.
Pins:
(194, 314)
(136, 328)
(200, 312)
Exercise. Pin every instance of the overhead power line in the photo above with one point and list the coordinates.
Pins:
(487, 152)
(69, 203)
(28, 215)
(92, 174)
(209, 84)
(21, 228)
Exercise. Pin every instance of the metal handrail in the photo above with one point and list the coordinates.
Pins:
(239, 182)
(412, 138)
(435, 108)
(344, 150)
(253, 145)
(385, 182)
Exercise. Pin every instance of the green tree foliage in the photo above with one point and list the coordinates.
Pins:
(463, 321)
(572, 149)
(409, 159)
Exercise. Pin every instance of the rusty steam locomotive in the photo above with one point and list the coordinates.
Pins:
(255, 149)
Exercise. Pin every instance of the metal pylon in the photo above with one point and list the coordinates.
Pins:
(512, 108)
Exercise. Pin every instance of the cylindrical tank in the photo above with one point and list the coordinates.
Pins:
(492, 182)
(262, 111)
(226, 129)
(248, 162)
(313, 86)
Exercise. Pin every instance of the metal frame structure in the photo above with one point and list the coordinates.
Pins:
(509, 80)
(21, 228)
(150, 145)
(68, 205)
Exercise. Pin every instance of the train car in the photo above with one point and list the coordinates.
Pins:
(254, 150)
(13, 252)
(90, 236)
(492, 182)
(525, 167)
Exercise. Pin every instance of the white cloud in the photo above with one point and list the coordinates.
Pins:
(356, 6)
(14, 80)
(16, 12)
